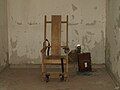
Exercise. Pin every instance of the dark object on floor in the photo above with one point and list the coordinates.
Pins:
(84, 62)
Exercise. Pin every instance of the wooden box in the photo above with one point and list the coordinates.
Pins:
(84, 62)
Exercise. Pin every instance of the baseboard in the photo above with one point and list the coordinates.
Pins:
(39, 65)
(113, 77)
(25, 65)
(4, 67)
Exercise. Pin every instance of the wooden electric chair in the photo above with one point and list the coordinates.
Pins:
(55, 57)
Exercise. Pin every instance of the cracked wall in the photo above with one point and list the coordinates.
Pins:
(26, 22)
(3, 35)
(112, 51)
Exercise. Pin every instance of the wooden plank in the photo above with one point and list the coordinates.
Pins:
(56, 35)
(67, 32)
(51, 21)
(54, 62)
(45, 19)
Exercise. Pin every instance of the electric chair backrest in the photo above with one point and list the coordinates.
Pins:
(56, 35)
(55, 44)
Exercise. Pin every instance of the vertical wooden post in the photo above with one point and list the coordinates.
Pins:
(67, 46)
(67, 32)
(45, 28)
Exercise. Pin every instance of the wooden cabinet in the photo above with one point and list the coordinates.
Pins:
(84, 62)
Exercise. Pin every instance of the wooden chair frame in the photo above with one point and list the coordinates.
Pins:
(54, 60)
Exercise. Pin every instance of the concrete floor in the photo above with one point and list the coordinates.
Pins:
(29, 79)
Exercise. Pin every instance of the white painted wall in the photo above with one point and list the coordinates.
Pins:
(3, 35)
(87, 19)
(113, 37)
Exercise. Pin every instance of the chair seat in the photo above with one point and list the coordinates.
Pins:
(54, 60)
(55, 57)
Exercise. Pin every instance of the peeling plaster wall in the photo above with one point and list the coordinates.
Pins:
(112, 51)
(87, 19)
(3, 35)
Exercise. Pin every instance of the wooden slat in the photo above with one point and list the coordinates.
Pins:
(51, 21)
(63, 21)
(45, 28)
(53, 62)
(48, 21)
(56, 35)
(67, 32)
(61, 46)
